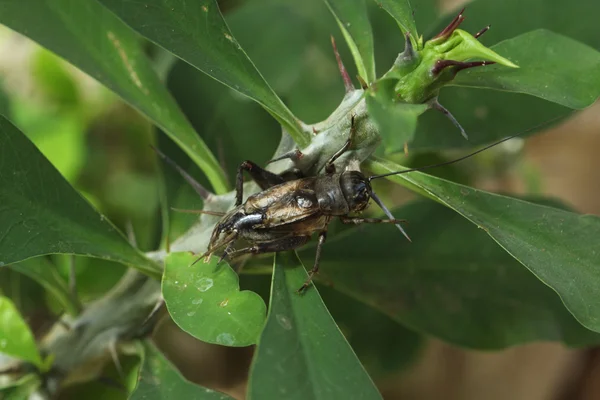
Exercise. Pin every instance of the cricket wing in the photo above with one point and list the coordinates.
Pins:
(291, 207)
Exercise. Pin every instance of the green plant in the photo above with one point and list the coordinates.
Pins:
(528, 274)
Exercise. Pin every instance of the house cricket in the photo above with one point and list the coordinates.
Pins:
(290, 208)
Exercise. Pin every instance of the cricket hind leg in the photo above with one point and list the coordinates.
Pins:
(283, 244)
(265, 179)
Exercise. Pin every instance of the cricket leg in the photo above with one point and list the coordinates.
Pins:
(315, 268)
(261, 176)
(358, 220)
(329, 166)
(283, 244)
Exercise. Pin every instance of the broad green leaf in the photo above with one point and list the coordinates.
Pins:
(548, 62)
(486, 115)
(353, 20)
(301, 353)
(16, 339)
(159, 379)
(45, 273)
(489, 115)
(397, 122)
(510, 18)
(276, 35)
(124, 379)
(197, 33)
(205, 300)
(382, 344)
(402, 12)
(452, 282)
(558, 246)
(40, 213)
(94, 40)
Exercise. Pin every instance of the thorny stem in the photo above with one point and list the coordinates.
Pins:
(452, 26)
(347, 81)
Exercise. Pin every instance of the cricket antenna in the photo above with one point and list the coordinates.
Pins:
(543, 124)
(388, 213)
(201, 190)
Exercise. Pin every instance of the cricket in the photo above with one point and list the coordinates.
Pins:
(291, 208)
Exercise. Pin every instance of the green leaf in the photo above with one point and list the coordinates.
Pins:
(197, 33)
(548, 62)
(395, 348)
(559, 247)
(205, 300)
(16, 339)
(453, 282)
(301, 353)
(510, 18)
(45, 273)
(40, 213)
(486, 115)
(89, 36)
(490, 115)
(397, 122)
(402, 12)
(353, 20)
(160, 380)
(21, 389)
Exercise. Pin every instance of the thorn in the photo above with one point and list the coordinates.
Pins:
(481, 32)
(409, 51)
(455, 23)
(440, 65)
(293, 155)
(204, 194)
(437, 106)
(314, 130)
(112, 348)
(347, 81)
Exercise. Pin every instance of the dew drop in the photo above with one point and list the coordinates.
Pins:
(191, 313)
(197, 301)
(284, 322)
(225, 339)
(204, 284)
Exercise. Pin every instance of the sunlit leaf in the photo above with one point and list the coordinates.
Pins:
(94, 40)
(197, 33)
(204, 299)
(301, 353)
(16, 339)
